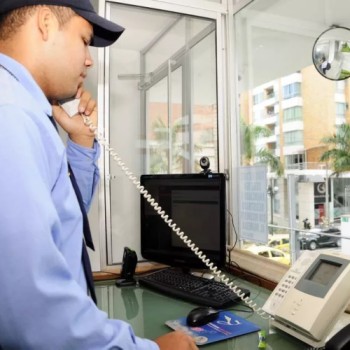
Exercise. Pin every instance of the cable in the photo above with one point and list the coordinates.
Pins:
(234, 229)
(169, 221)
(229, 250)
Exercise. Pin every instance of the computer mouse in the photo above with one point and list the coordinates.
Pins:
(201, 316)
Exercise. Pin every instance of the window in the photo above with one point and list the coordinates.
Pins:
(291, 90)
(294, 161)
(276, 254)
(258, 98)
(293, 138)
(340, 109)
(308, 109)
(292, 114)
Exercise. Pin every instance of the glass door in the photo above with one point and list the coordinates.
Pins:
(161, 98)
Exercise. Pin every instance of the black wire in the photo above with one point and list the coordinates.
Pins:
(229, 250)
(234, 229)
(248, 309)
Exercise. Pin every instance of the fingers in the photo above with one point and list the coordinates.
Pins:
(87, 104)
(175, 341)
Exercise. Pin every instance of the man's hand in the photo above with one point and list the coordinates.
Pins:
(78, 132)
(176, 341)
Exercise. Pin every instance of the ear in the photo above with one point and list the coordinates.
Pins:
(46, 21)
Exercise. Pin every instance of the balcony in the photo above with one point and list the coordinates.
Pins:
(292, 102)
(268, 119)
(305, 166)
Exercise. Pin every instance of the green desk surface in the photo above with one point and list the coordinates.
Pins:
(147, 310)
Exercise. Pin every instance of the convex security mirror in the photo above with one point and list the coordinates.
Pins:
(331, 53)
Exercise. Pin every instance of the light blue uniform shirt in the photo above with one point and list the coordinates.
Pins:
(43, 298)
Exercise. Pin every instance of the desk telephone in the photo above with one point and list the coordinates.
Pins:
(312, 296)
(309, 299)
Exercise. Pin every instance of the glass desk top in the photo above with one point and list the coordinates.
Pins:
(147, 311)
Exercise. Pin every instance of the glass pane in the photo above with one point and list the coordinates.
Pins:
(181, 96)
(157, 70)
(290, 116)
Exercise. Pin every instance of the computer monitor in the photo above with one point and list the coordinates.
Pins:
(197, 204)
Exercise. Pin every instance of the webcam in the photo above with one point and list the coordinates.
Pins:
(205, 164)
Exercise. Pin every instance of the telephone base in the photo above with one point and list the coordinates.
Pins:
(343, 321)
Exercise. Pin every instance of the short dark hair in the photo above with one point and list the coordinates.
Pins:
(11, 21)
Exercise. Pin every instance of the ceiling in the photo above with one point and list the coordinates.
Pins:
(276, 37)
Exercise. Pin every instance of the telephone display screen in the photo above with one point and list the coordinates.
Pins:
(324, 272)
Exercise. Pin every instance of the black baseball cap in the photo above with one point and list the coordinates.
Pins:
(105, 31)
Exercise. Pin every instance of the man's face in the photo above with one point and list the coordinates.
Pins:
(68, 58)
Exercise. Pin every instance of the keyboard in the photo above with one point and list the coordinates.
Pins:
(197, 290)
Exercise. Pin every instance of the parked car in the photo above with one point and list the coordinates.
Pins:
(279, 241)
(315, 239)
(270, 253)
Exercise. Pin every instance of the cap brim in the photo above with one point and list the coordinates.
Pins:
(105, 31)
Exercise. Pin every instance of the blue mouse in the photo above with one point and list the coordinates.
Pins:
(201, 316)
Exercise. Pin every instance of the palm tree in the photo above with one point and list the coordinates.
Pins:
(339, 149)
(251, 133)
(265, 156)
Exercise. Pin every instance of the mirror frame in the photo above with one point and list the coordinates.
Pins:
(324, 65)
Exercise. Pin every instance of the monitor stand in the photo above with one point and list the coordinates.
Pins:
(207, 274)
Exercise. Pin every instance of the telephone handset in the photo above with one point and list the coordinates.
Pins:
(71, 107)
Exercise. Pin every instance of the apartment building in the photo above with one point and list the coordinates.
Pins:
(299, 110)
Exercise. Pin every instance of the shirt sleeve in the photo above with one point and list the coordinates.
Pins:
(42, 307)
(83, 161)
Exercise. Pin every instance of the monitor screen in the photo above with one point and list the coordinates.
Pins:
(197, 204)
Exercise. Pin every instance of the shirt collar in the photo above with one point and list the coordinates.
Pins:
(20, 73)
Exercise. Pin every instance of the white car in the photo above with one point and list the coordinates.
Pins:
(270, 253)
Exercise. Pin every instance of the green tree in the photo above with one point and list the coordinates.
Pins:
(338, 153)
(250, 134)
(265, 156)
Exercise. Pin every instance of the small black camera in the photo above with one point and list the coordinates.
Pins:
(205, 164)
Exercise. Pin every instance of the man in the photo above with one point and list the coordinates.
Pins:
(44, 57)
